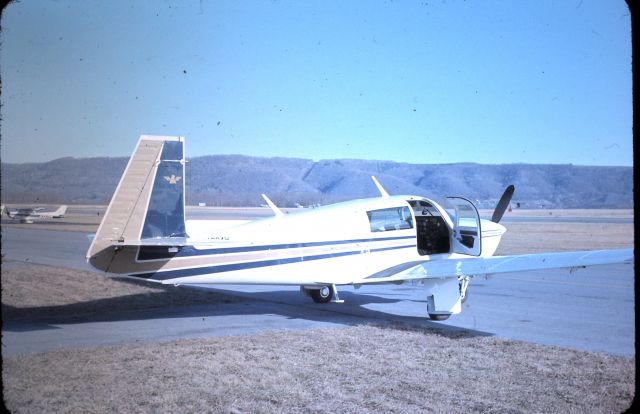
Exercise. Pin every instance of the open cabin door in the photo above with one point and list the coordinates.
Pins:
(467, 235)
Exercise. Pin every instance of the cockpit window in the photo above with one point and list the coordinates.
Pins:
(386, 219)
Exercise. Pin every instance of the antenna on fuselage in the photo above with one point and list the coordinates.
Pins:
(383, 192)
(273, 207)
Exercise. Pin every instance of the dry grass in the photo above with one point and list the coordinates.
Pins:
(360, 369)
(38, 293)
(567, 212)
(540, 237)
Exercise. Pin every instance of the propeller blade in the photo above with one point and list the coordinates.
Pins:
(503, 204)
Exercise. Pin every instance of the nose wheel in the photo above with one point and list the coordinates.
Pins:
(445, 312)
(439, 316)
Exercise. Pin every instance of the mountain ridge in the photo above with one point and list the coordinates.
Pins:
(238, 180)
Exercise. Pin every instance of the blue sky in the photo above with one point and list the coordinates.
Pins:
(408, 81)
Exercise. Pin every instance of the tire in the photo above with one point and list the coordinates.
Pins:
(322, 295)
(438, 317)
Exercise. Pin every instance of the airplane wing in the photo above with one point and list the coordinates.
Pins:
(476, 266)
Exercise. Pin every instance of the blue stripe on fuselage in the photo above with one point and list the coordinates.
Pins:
(161, 252)
(196, 271)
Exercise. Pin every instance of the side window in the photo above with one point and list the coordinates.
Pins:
(386, 219)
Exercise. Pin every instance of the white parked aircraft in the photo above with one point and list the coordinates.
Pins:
(387, 239)
(29, 214)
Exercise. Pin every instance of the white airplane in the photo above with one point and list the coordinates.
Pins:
(387, 239)
(29, 214)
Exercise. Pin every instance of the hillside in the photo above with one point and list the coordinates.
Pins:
(235, 180)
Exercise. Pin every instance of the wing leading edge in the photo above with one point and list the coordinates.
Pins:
(476, 266)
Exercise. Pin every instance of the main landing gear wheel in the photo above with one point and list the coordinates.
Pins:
(322, 295)
(438, 317)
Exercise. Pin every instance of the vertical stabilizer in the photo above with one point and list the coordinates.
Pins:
(148, 202)
(60, 212)
(165, 212)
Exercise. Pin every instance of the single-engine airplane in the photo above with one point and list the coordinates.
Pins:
(29, 214)
(387, 239)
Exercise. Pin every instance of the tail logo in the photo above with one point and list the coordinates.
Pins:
(173, 179)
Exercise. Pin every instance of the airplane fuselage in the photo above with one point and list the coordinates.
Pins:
(334, 244)
(28, 214)
(388, 239)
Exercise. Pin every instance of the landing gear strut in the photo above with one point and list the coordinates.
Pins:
(464, 284)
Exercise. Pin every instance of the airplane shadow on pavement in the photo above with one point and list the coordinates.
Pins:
(295, 310)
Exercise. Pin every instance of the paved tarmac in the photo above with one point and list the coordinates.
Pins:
(591, 309)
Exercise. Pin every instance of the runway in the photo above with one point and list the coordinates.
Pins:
(591, 309)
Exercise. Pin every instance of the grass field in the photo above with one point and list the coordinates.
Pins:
(366, 368)
(39, 293)
(359, 369)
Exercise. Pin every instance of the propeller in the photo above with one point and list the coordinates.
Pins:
(503, 204)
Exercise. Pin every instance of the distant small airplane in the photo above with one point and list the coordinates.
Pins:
(29, 214)
(386, 239)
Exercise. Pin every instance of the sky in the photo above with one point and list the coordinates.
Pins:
(424, 82)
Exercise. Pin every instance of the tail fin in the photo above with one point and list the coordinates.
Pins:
(60, 212)
(148, 203)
